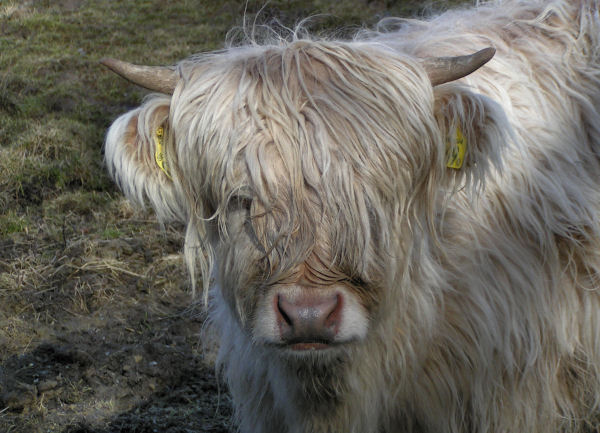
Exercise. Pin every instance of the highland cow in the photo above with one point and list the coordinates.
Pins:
(398, 232)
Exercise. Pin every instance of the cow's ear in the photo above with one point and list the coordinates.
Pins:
(139, 155)
(474, 130)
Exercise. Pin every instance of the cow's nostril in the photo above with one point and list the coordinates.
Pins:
(308, 318)
(281, 310)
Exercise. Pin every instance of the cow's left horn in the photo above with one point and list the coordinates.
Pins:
(444, 69)
(158, 78)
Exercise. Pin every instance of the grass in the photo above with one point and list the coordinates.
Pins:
(78, 265)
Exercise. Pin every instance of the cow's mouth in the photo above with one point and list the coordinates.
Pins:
(308, 345)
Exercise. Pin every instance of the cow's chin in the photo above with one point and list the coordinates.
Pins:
(310, 358)
(310, 323)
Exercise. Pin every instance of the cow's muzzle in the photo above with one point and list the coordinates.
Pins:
(309, 321)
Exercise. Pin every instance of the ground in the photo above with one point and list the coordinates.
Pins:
(99, 330)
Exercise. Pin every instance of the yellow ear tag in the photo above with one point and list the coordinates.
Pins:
(455, 155)
(159, 154)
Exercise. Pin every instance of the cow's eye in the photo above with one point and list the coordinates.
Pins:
(357, 282)
(239, 202)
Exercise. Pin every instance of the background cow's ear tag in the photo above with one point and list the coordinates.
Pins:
(455, 155)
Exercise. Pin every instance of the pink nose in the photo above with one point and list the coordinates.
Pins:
(309, 321)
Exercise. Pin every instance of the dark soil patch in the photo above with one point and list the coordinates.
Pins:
(103, 335)
(106, 374)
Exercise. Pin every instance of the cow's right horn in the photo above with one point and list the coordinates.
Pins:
(158, 78)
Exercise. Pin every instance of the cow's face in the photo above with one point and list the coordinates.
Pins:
(304, 172)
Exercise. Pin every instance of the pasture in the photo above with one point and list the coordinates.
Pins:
(98, 329)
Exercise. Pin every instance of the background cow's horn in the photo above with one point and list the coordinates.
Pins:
(444, 69)
(158, 78)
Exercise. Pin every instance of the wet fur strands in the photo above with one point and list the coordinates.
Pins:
(312, 176)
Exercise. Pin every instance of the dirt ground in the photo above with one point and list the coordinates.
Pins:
(109, 350)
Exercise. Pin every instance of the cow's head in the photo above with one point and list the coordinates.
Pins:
(305, 173)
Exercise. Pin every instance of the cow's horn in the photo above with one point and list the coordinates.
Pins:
(444, 69)
(158, 78)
